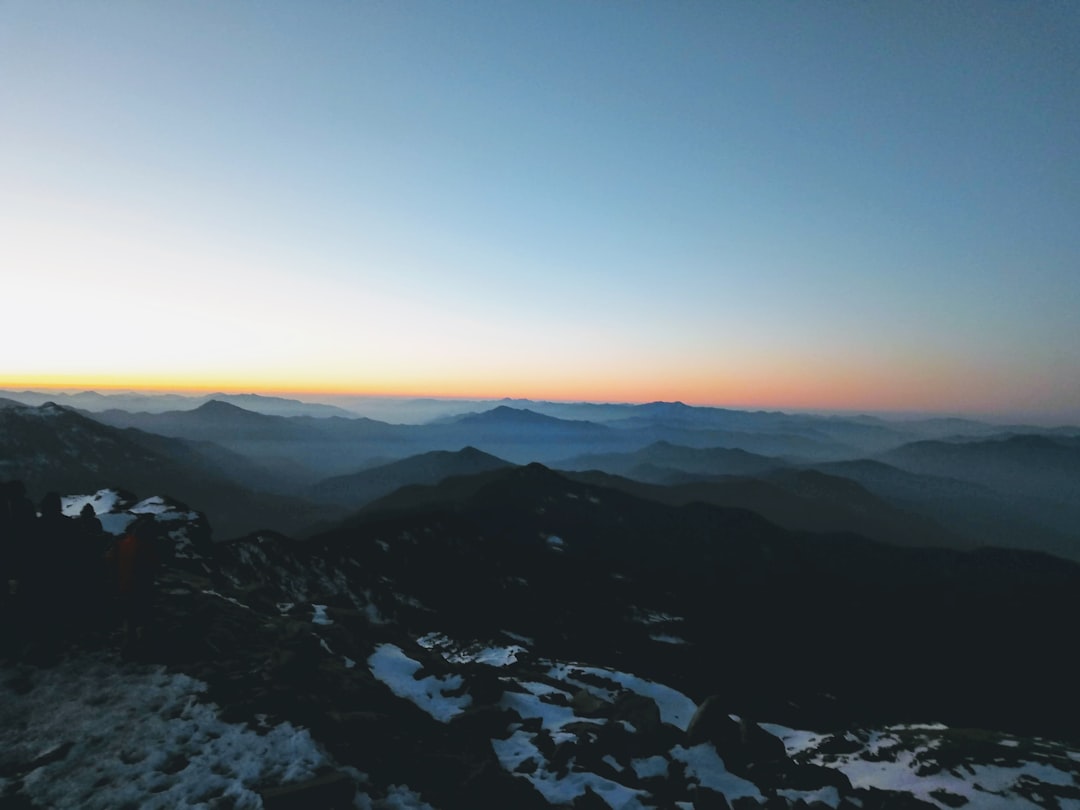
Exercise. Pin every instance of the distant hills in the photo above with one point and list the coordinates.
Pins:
(365, 486)
(796, 611)
(1041, 466)
(660, 461)
(53, 448)
(503, 416)
(876, 478)
(800, 500)
(158, 403)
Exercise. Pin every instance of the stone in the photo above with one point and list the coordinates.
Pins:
(706, 799)
(586, 704)
(639, 711)
(738, 742)
(331, 791)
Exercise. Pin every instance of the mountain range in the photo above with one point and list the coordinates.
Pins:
(1000, 490)
(51, 448)
(157, 403)
(355, 613)
(536, 642)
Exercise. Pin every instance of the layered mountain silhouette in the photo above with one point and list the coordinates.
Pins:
(157, 403)
(661, 462)
(505, 416)
(769, 596)
(803, 500)
(1014, 491)
(671, 625)
(53, 448)
(312, 447)
(360, 488)
(1008, 490)
(1038, 466)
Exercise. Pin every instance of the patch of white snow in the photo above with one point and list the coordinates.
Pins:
(704, 765)
(391, 666)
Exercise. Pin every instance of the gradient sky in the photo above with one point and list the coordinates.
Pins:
(821, 205)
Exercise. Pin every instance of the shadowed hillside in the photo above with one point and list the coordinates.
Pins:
(52, 448)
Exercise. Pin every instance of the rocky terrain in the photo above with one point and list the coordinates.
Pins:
(463, 657)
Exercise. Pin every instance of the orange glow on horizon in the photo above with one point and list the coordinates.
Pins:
(794, 393)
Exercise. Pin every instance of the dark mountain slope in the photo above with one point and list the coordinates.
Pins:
(213, 420)
(505, 416)
(426, 497)
(797, 500)
(280, 406)
(423, 661)
(360, 488)
(663, 456)
(216, 460)
(774, 616)
(990, 516)
(305, 448)
(1039, 466)
(52, 448)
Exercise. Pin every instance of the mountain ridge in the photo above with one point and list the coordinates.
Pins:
(358, 489)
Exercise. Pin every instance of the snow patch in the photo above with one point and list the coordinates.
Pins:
(795, 741)
(675, 707)
(474, 652)
(826, 795)
(518, 748)
(650, 767)
(103, 501)
(667, 638)
(391, 666)
(135, 736)
(551, 715)
(705, 766)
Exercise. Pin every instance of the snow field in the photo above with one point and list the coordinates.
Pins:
(391, 666)
(912, 770)
(124, 736)
(675, 707)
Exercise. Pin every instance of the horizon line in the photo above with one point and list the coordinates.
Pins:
(1046, 418)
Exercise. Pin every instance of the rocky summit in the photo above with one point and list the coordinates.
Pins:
(441, 660)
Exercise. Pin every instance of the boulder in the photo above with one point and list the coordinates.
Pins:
(737, 741)
(712, 723)
(814, 777)
(331, 791)
(477, 726)
(706, 799)
(639, 711)
(590, 801)
(491, 786)
(586, 704)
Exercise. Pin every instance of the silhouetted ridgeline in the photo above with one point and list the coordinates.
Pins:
(1004, 490)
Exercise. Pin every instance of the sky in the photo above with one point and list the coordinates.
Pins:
(865, 206)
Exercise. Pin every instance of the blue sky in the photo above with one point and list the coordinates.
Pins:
(845, 205)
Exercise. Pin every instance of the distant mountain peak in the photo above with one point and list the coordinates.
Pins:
(470, 452)
(507, 411)
(216, 406)
(504, 415)
(50, 409)
(507, 414)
